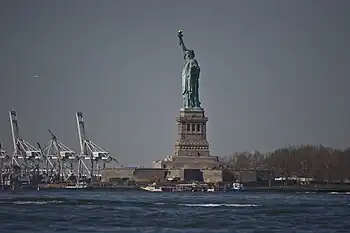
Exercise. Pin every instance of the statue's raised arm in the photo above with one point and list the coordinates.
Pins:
(181, 42)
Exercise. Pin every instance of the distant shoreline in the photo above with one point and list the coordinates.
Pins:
(247, 189)
(298, 189)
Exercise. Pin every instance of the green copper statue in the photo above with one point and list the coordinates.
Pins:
(190, 77)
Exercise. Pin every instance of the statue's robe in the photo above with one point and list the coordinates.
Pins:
(190, 85)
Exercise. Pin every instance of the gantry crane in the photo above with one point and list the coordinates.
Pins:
(26, 158)
(90, 151)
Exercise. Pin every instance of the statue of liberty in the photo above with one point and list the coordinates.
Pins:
(190, 77)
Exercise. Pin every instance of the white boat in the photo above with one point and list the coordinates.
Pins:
(152, 188)
(210, 190)
(236, 186)
(76, 186)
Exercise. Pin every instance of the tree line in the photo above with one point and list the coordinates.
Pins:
(319, 163)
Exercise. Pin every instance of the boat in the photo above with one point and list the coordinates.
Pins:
(78, 185)
(191, 187)
(211, 190)
(236, 186)
(154, 188)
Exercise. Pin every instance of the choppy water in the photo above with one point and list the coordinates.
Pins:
(107, 211)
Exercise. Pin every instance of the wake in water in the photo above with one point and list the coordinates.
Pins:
(219, 205)
(36, 202)
(64, 201)
(339, 193)
(133, 212)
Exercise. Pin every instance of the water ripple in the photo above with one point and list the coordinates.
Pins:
(77, 211)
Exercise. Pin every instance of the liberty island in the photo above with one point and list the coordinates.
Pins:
(57, 166)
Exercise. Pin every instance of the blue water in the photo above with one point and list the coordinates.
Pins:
(110, 211)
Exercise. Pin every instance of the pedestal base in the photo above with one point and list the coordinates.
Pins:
(192, 148)
(191, 162)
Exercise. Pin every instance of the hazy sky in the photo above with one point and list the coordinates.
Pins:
(272, 72)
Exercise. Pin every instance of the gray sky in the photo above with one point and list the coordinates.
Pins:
(272, 72)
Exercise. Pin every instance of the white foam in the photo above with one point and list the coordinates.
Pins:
(36, 202)
(159, 203)
(343, 193)
(219, 205)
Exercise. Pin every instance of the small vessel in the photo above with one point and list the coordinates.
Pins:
(236, 186)
(190, 187)
(152, 188)
(78, 185)
(211, 189)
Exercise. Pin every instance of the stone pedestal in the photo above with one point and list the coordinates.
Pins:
(192, 148)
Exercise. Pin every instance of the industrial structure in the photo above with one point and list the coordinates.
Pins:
(26, 158)
(60, 160)
(4, 167)
(53, 163)
(90, 152)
